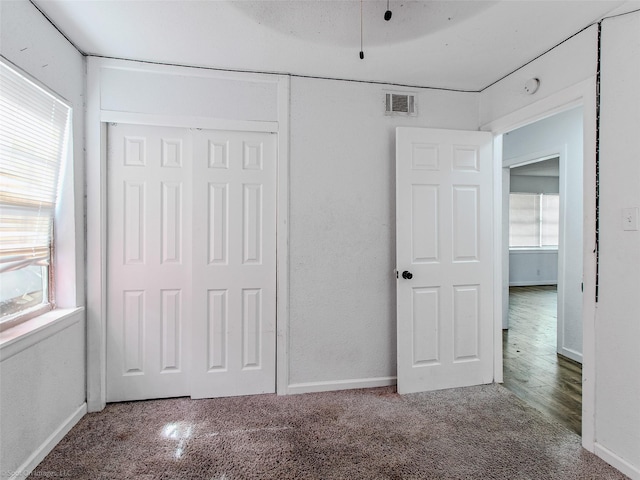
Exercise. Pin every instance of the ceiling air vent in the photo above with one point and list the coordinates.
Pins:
(400, 104)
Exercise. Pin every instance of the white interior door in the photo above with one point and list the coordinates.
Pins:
(149, 264)
(234, 264)
(444, 241)
(192, 263)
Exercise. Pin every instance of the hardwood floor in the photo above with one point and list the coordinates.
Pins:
(532, 369)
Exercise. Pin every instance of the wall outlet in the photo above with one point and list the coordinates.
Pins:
(630, 219)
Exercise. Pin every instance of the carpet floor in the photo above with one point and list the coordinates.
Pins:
(483, 432)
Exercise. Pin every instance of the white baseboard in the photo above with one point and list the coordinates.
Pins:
(312, 387)
(533, 283)
(615, 461)
(43, 450)
(571, 354)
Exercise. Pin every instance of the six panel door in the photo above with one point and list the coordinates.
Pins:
(191, 264)
(234, 262)
(444, 243)
(148, 262)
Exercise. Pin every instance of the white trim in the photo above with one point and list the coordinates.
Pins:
(533, 251)
(535, 157)
(589, 265)
(330, 386)
(282, 240)
(501, 208)
(183, 121)
(612, 459)
(43, 450)
(499, 295)
(16, 339)
(571, 354)
(582, 93)
(532, 283)
(95, 145)
(97, 204)
(558, 102)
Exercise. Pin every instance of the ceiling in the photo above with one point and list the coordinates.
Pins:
(454, 44)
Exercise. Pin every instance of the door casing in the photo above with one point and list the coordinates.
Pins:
(96, 119)
(579, 94)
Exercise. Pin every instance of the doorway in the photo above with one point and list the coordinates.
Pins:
(542, 337)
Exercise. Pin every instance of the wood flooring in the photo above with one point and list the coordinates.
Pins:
(532, 368)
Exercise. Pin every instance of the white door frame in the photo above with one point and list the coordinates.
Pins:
(96, 188)
(559, 152)
(582, 93)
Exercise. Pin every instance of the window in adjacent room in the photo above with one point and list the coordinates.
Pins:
(533, 220)
(34, 137)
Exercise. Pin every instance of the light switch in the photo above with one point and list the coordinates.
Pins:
(630, 219)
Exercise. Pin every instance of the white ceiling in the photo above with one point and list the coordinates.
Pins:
(452, 44)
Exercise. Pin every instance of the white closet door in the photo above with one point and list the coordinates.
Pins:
(191, 263)
(234, 263)
(148, 262)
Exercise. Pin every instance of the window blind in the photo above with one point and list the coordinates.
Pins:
(534, 220)
(33, 143)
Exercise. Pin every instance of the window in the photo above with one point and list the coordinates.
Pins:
(533, 220)
(34, 137)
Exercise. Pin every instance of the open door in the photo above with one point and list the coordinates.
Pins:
(444, 259)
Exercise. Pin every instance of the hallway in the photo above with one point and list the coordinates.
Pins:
(532, 369)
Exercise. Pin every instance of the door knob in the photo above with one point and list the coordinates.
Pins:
(407, 275)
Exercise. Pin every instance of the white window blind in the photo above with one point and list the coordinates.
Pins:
(33, 141)
(534, 220)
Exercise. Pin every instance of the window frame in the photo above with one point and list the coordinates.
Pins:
(540, 246)
(65, 180)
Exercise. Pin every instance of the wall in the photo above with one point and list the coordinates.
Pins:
(42, 394)
(342, 239)
(533, 267)
(560, 134)
(43, 386)
(341, 246)
(534, 184)
(617, 324)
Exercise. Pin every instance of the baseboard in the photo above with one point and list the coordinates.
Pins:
(312, 387)
(43, 450)
(571, 355)
(615, 461)
(533, 283)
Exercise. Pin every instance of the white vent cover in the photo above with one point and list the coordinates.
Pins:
(400, 104)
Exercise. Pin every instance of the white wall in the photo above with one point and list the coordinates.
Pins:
(534, 184)
(560, 134)
(42, 394)
(533, 267)
(43, 386)
(342, 240)
(341, 248)
(617, 320)
(562, 67)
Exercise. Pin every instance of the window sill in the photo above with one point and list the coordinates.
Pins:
(533, 250)
(24, 335)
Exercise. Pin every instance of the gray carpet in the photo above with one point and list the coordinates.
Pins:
(481, 432)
